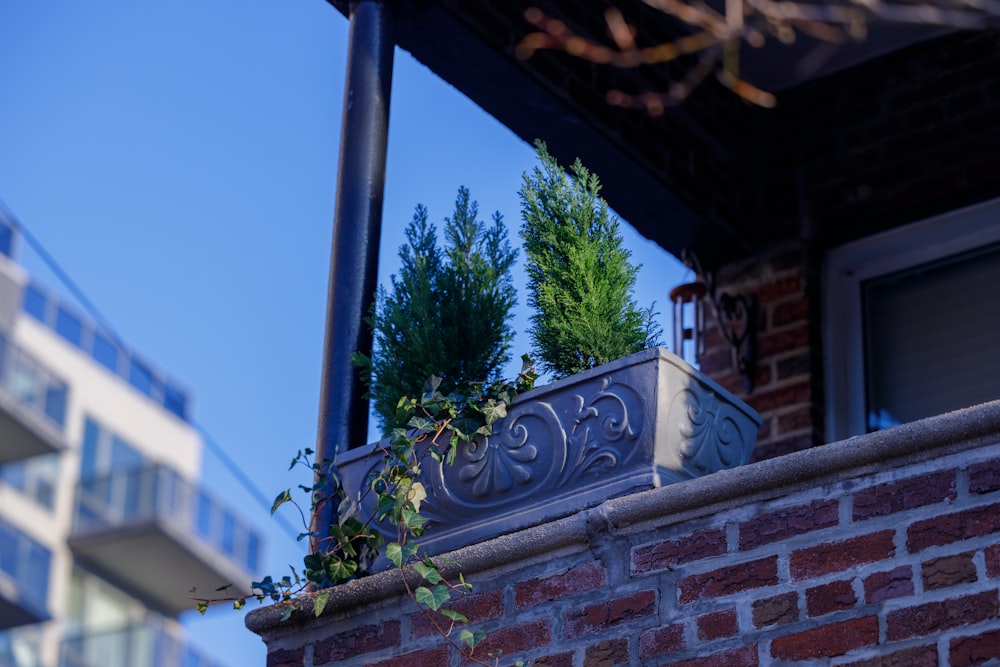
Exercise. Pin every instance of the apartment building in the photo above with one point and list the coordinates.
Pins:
(104, 528)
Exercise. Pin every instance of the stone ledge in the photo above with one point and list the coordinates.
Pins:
(885, 450)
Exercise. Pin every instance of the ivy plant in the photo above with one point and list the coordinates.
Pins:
(429, 428)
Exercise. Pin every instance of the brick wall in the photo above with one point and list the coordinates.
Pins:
(879, 550)
(787, 389)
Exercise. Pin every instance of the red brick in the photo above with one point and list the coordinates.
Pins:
(788, 367)
(918, 656)
(476, 607)
(789, 312)
(780, 342)
(744, 656)
(286, 658)
(358, 641)
(432, 657)
(838, 556)
(776, 610)
(717, 625)
(903, 495)
(828, 598)
(586, 577)
(509, 640)
(827, 641)
(992, 554)
(974, 522)
(608, 614)
(984, 477)
(795, 421)
(557, 660)
(787, 522)
(769, 450)
(716, 361)
(659, 641)
(883, 586)
(933, 617)
(975, 650)
(779, 288)
(948, 571)
(697, 545)
(781, 397)
(607, 653)
(728, 580)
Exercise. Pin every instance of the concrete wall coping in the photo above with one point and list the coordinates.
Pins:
(930, 438)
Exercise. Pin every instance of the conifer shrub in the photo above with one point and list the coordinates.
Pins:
(580, 279)
(447, 313)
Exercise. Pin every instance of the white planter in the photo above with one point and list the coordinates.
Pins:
(637, 423)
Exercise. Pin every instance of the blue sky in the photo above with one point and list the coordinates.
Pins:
(179, 159)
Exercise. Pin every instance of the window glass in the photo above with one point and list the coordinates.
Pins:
(175, 401)
(204, 515)
(69, 326)
(930, 338)
(124, 456)
(35, 303)
(228, 534)
(6, 240)
(105, 352)
(91, 441)
(55, 403)
(140, 377)
(253, 551)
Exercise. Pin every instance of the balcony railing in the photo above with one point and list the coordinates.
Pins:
(146, 645)
(84, 335)
(158, 535)
(24, 578)
(32, 405)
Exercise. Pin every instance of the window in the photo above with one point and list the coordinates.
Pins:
(69, 326)
(105, 352)
(910, 321)
(35, 303)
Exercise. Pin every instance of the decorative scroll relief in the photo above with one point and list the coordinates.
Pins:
(709, 432)
(540, 447)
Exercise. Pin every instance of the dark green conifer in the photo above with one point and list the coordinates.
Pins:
(447, 313)
(580, 280)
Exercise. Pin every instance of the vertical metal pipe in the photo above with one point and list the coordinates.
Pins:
(357, 219)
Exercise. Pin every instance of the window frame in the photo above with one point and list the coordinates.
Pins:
(850, 265)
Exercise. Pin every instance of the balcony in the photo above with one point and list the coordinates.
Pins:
(147, 645)
(24, 579)
(156, 536)
(32, 405)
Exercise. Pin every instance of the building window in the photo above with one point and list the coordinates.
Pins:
(35, 303)
(910, 320)
(69, 326)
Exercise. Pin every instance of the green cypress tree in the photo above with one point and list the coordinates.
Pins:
(447, 313)
(580, 280)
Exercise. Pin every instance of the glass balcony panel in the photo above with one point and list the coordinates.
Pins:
(149, 645)
(131, 518)
(24, 567)
(32, 405)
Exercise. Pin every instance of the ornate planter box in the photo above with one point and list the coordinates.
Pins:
(637, 423)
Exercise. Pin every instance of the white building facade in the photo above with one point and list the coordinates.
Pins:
(104, 529)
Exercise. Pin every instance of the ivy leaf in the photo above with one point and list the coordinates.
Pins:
(238, 604)
(423, 424)
(347, 509)
(282, 498)
(319, 604)
(412, 521)
(286, 613)
(454, 616)
(432, 598)
(492, 411)
(471, 639)
(428, 572)
(416, 494)
(340, 570)
(201, 606)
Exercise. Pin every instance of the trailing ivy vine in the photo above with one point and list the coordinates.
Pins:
(429, 430)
